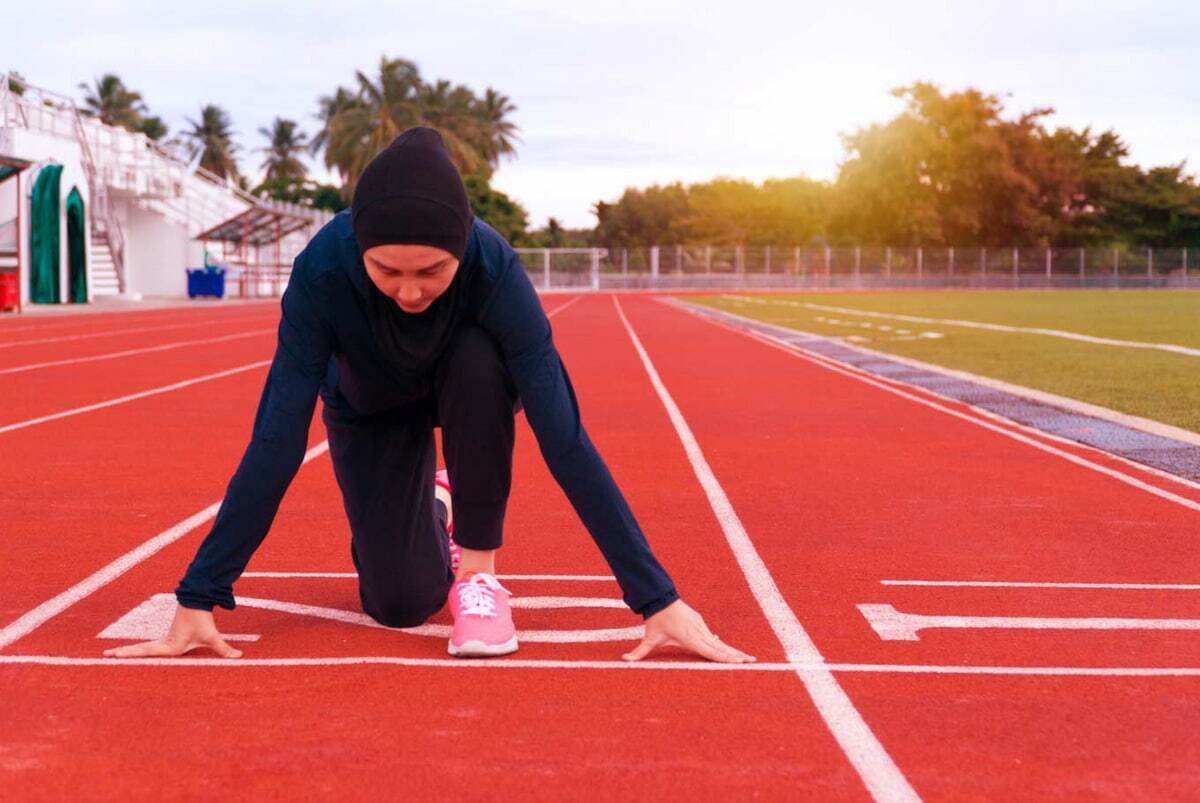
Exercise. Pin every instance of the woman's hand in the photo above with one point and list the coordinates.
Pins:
(681, 626)
(191, 628)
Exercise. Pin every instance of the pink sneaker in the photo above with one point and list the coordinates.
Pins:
(442, 492)
(483, 622)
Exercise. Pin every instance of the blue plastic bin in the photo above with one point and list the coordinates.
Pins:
(206, 282)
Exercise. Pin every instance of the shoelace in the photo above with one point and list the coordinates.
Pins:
(478, 595)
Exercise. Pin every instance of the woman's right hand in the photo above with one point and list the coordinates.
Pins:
(191, 628)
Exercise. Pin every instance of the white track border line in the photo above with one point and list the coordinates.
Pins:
(1172, 348)
(1139, 423)
(132, 397)
(178, 344)
(868, 378)
(686, 666)
(136, 330)
(87, 318)
(1034, 584)
(33, 619)
(97, 580)
(879, 773)
(1073, 405)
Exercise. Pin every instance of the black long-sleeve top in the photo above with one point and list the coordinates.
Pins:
(325, 346)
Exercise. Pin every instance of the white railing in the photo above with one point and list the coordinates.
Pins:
(702, 266)
(156, 176)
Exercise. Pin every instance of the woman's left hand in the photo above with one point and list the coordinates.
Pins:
(681, 626)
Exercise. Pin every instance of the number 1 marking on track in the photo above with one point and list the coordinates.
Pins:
(894, 625)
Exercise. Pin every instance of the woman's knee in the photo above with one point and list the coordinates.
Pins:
(405, 611)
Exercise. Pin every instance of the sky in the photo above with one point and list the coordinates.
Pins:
(617, 94)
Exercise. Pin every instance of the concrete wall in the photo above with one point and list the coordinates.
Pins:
(157, 253)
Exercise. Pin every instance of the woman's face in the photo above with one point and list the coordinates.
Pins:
(411, 275)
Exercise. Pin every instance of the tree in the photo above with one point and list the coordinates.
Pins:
(305, 192)
(213, 138)
(496, 209)
(357, 124)
(111, 102)
(16, 83)
(282, 154)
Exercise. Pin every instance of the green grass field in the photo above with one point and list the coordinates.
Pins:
(1160, 385)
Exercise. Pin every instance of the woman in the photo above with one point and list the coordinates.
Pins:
(405, 313)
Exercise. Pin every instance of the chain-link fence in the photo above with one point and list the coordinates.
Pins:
(683, 267)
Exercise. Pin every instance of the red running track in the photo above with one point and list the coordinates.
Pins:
(839, 485)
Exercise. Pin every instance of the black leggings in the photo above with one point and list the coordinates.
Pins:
(385, 462)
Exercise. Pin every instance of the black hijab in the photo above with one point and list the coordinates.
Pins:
(412, 193)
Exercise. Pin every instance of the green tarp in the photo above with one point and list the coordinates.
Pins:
(44, 237)
(76, 247)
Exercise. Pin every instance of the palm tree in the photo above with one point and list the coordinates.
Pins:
(213, 137)
(500, 132)
(113, 103)
(330, 107)
(359, 125)
(286, 142)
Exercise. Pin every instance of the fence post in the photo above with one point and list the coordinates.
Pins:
(887, 261)
(920, 264)
(767, 259)
(1016, 268)
(857, 264)
(950, 260)
(796, 257)
(1082, 263)
(546, 268)
(595, 269)
(1049, 262)
(1149, 265)
(653, 265)
(828, 272)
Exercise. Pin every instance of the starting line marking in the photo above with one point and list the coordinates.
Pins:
(572, 577)
(894, 625)
(1019, 584)
(651, 665)
(152, 619)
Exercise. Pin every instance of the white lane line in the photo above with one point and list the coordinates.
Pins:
(570, 577)
(647, 665)
(1074, 405)
(865, 377)
(52, 607)
(134, 330)
(41, 614)
(878, 771)
(562, 307)
(131, 352)
(1030, 584)
(995, 327)
(893, 625)
(132, 397)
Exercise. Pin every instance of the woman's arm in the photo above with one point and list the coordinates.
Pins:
(274, 454)
(514, 316)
